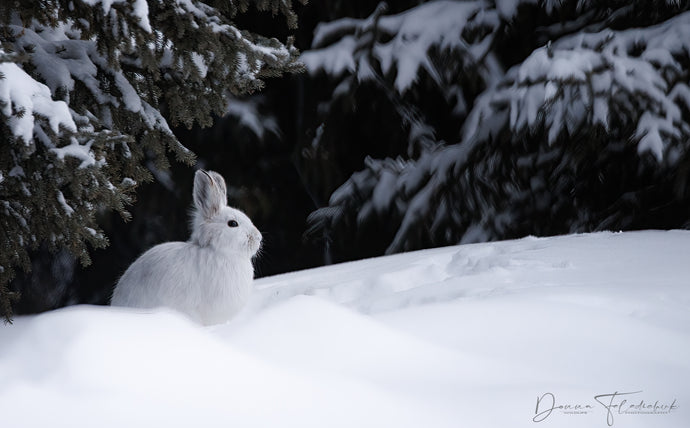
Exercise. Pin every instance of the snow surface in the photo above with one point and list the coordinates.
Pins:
(470, 335)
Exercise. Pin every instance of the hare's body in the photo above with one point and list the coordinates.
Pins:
(211, 294)
(209, 278)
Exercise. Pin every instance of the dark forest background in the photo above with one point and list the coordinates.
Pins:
(289, 152)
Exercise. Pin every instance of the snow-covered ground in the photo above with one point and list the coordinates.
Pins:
(484, 335)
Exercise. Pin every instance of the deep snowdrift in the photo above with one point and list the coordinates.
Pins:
(477, 335)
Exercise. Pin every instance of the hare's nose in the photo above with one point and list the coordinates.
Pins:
(255, 236)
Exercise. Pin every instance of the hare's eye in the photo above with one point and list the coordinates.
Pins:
(233, 223)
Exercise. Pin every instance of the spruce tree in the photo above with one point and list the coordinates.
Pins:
(89, 91)
(558, 117)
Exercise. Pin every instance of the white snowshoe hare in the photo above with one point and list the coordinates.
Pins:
(209, 277)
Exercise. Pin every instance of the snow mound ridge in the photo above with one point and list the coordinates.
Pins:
(440, 338)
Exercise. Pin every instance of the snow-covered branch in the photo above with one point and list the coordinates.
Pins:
(24, 101)
(90, 88)
(576, 136)
(401, 45)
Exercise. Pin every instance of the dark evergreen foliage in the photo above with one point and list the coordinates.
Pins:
(489, 120)
(551, 117)
(88, 92)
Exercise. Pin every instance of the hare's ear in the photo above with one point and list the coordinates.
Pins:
(219, 181)
(210, 194)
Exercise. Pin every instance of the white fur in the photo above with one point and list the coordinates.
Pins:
(209, 277)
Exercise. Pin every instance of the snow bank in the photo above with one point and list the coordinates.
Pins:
(491, 334)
